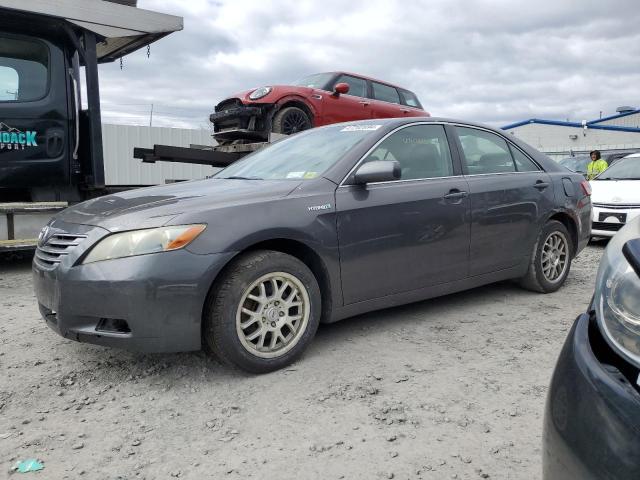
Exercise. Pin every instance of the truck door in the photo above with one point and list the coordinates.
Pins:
(34, 119)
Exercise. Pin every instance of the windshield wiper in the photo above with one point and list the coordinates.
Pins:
(236, 177)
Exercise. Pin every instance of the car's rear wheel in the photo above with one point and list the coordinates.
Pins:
(290, 120)
(550, 260)
(263, 312)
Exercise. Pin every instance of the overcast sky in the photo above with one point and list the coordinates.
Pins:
(491, 61)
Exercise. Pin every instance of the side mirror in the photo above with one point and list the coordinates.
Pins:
(340, 88)
(377, 171)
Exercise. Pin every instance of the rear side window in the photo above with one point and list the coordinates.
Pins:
(357, 86)
(24, 67)
(410, 99)
(385, 93)
(485, 152)
(523, 163)
(421, 150)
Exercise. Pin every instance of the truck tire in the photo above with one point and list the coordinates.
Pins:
(263, 312)
(290, 120)
(550, 260)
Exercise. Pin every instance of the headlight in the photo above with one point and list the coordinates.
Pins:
(617, 297)
(141, 242)
(259, 93)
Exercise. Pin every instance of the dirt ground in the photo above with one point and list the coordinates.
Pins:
(447, 388)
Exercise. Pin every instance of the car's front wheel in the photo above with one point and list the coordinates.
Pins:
(291, 120)
(550, 260)
(263, 312)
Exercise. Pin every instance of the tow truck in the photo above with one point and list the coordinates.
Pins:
(51, 151)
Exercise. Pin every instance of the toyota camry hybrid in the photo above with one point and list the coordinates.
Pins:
(320, 226)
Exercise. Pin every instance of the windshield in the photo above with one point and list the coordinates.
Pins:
(625, 169)
(318, 80)
(303, 156)
(576, 164)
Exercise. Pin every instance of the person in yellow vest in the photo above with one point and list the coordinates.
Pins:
(596, 166)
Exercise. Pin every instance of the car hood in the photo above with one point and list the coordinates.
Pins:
(615, 191)
(156, 206)
(277, 91)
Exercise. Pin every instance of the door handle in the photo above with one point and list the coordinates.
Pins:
(365, 103)
(54, 142)
(455, 194)
(405, 111)
(540, 185)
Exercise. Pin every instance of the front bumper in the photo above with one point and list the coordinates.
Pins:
(233, 120)
(592, 415)
(159, 297)
(608, 219)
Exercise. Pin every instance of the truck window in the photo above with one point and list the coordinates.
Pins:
(24, 70)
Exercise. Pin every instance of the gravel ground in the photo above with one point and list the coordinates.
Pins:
(447, 388)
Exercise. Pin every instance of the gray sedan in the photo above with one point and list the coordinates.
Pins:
(329, 223)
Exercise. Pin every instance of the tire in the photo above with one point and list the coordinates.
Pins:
(546, 275)
(229, 328)
(291, 120)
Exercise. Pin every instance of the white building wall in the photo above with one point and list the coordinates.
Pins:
(555, 140)
(122, 169)
(626, 121)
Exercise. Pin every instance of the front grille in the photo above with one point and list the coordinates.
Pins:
(57, 247)
(228, 104)
(609, 227)
(618, 206)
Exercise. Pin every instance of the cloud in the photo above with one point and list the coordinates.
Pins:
(491, 61)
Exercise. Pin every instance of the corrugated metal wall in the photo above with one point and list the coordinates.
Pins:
(122, 169)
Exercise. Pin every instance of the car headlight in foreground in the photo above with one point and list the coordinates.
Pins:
(259, 93)
(617, 296)
(141, 242)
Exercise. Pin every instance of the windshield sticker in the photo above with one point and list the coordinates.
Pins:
(310, 175)
(14, 139)
(360, 128)
(296, 174)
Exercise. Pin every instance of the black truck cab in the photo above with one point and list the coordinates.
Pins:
(39, 142)
(50, 132)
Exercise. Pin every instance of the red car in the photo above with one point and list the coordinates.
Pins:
(319, 99)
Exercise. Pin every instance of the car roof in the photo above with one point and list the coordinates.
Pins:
(359, 75)
(633, 155)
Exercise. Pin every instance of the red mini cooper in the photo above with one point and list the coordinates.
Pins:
(319, 99)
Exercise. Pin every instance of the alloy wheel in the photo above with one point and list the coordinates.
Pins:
(555, 256)
(295, 121)
(272, 315)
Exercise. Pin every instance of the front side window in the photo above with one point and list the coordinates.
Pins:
(485, 152)
(421, 150)
(385, 93)
(357, 86)
(24, 68)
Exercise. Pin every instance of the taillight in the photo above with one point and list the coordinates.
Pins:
(586, 188)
